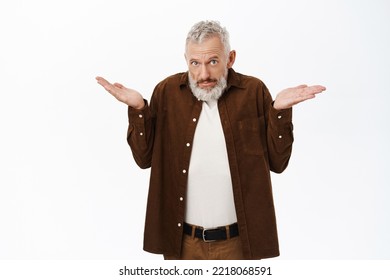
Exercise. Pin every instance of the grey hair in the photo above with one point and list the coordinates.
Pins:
(208, 29)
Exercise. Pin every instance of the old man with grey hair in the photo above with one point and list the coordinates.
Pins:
(211, 137)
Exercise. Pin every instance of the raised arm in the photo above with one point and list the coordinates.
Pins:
(280, 129)
(126, 95)
(140, 133)
(292, 96)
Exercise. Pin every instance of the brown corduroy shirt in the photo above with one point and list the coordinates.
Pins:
(258, 140)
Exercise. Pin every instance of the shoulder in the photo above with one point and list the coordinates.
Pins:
(170, 87)
(174, 80)
(243, 81)
(246, 87)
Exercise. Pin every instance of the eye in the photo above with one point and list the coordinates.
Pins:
(213, 62)
(194, 63)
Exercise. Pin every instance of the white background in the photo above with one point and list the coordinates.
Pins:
(69, 188)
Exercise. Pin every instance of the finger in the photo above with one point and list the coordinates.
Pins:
(302, 98)
(318, 87)
(119, 85)
(98, 78)
(102, 81)
(315, 89)
(107, 85)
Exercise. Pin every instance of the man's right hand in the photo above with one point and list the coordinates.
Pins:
(126, 95)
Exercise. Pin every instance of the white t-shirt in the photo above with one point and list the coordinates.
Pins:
(210, 200)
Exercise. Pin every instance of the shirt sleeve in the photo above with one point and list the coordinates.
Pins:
(140, 134)
(279, 138)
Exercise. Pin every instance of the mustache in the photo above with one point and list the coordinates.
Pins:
(207, 81)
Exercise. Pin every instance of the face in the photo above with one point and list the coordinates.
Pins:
(208, 63)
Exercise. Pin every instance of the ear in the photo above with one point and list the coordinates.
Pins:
(231, 59)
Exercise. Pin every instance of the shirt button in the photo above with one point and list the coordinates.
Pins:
(280, 136)
(184, 171)
(188, 144)
(194, 119)
(181, 198)
(279, 117)
(140, 115)
(141, 133)
(179, 224)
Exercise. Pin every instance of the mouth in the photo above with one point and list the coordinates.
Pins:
(207, 83)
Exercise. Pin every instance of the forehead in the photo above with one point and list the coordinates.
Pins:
(208, 47)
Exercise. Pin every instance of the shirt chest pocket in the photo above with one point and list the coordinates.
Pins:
(252, 136)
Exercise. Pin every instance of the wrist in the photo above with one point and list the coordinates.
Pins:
(276, 107)
(140, 106)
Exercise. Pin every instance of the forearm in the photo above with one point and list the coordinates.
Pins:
(140, 135)
(279, 138)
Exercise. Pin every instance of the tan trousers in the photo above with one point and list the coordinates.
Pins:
(196, 249)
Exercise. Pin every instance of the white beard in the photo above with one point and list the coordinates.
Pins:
(208, 94)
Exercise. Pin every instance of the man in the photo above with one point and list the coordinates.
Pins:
(211, 137)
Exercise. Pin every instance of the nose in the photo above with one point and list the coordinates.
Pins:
(204, 72)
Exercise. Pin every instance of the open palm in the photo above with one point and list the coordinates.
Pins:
(126, 95)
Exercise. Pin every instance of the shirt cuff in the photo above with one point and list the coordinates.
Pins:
(138, 116)
(280, 117)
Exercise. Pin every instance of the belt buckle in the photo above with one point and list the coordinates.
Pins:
(204, 234)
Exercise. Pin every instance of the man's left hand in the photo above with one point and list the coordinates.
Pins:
(292, 96)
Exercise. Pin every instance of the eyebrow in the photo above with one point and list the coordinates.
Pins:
(214, 57)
